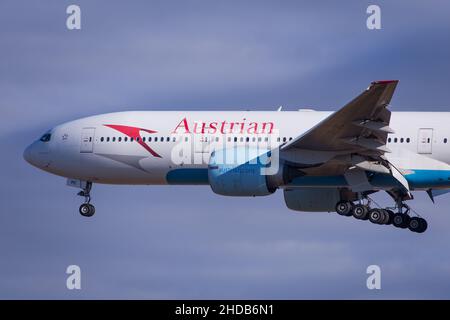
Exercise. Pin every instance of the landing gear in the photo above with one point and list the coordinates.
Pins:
(344, 208)
(361, 211)
(377, 216)
(389, 216)
(417, 224)
(401, 219)
(86, 209)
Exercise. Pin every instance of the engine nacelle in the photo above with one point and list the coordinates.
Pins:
(240, 171)
(312, 199)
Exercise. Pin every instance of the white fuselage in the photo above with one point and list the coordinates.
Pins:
(167, 147)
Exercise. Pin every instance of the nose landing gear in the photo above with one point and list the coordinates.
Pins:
(86, 209)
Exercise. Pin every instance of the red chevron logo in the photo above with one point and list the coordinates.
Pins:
(135, 134)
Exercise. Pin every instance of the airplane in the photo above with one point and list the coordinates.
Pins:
(322, 161)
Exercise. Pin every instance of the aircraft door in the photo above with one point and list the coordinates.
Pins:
(425, 141)
(87, 140)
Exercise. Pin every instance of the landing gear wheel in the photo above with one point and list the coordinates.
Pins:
(385, 214)
(344, 208)
(417, 224)
(92, 209)
(390, 216)
(87, 210)
(423, 225)
(401, 220)
(376, 216)
(360, 212)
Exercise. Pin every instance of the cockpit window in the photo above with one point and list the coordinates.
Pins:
(46, 137)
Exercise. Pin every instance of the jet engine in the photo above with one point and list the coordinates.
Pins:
(241, 171)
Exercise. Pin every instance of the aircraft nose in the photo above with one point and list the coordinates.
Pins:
(28, 155)
(36, 155)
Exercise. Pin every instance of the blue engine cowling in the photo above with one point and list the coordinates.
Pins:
(240, 171)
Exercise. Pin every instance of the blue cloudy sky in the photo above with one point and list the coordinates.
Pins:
(186, 242)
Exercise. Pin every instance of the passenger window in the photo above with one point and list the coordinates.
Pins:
(259, 139)
(290, 138)
(284, 139)
(107, 139)
(408, 140)
(125, 139)
(186, 139)
(445, 140)
(137, 139)
(389, 140)
(242, 139)
(149, 139)
(247, 139)
(229, 139)
(114, 139)
(235, 139)
(254, 139)
(156, 139)
(101, 139)
(395, 140)
(120, 139)
(168, 139)
(401, 140)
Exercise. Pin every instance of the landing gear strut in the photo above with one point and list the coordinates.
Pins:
(86, 209)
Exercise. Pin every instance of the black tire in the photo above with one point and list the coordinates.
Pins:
(385, 216)
(423, 225)
(414, 224)
(390, 215)
(87, 210)
(360, 212)
(344, 208)
(400, 220)
(376, 216)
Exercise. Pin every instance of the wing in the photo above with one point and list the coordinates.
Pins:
(356, 137)
(360, 127)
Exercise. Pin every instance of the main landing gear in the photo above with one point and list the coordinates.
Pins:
(400, 219)
(86, 209)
